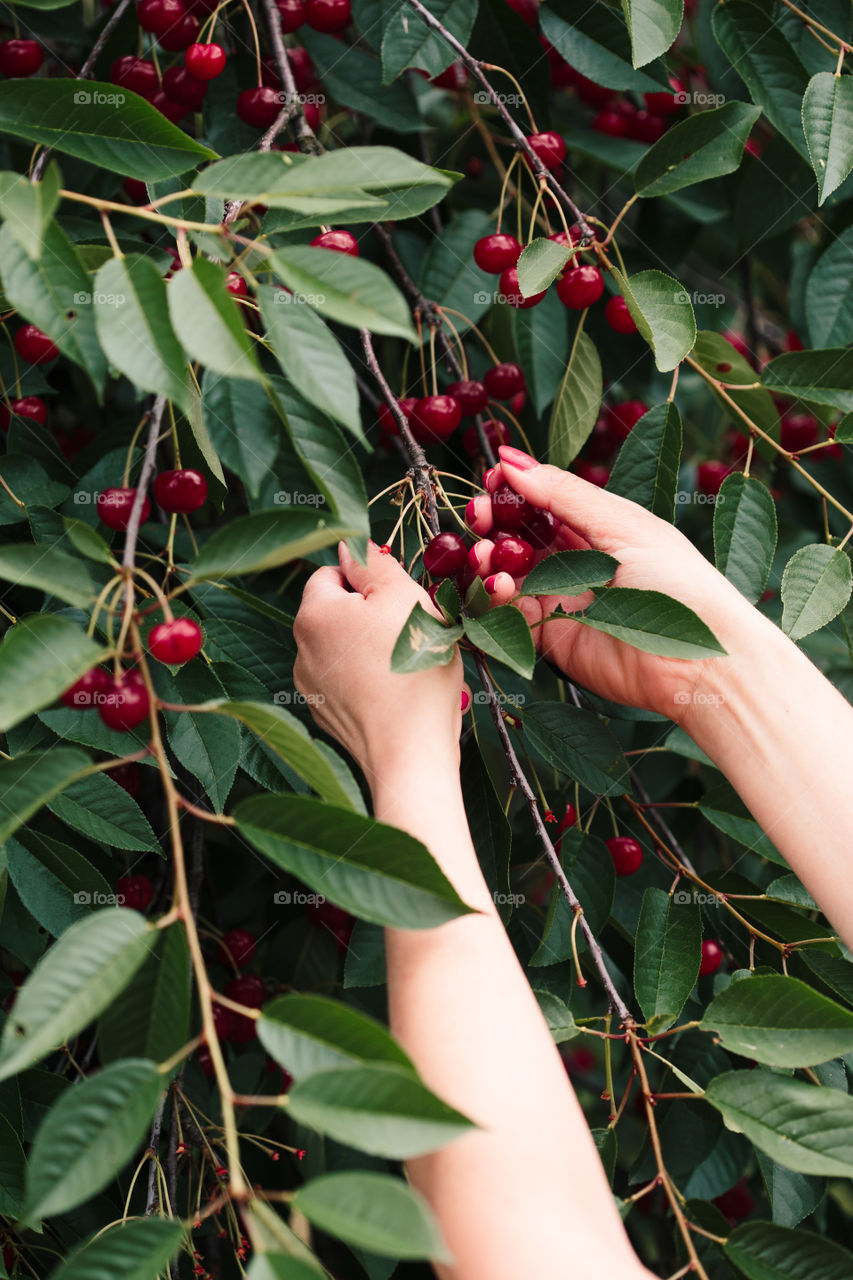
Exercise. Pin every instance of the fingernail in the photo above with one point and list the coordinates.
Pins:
(515, 458)
(466, 700)
(491, 582)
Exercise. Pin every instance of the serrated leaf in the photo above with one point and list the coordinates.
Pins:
(569, 573)
(310, 1033)
(646, 468)
(745, 533)
(408, 41)
(32, 779)
(828, 125)
(780, 1021)
(654, 25)
(89, 1135)
(719, 358)
(829, 294)
(208, 322)
(102, 809)
(13, 1168)
(540, 263)
(424, 642)
(56, 884)
(349, 290)
(40, 657)
(596, 43)
(650, 621)
(375, 1212)
(576, 405)
(503, 634)
(667, 953)
(243, 426)
(816, 585)
(264, 540)
(590, 872)
(766, 1251)
(27, 207)
(136, 1250)
(77, 978)
(48, 569)
(706, 145)
(151, 1017)
(207, 747)
(663, 313)
(824, 377)
(579, 744)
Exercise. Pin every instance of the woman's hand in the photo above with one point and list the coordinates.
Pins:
(654, 556)
(345, 639)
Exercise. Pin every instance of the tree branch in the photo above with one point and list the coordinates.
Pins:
(132, 534)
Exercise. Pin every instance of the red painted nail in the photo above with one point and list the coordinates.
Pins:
(490, 582)
(515, 458)
(466, 700)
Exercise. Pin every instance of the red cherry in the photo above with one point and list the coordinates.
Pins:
(624, 416)
(184, 88)
(618, 316)
(236, 284)
(136, 190)
(126, 703)
(604, 441)
(592, 94)
(735, 1204)
(169, 107)
(593, 473)
(791, 342)
(540, 529)
(798, 431)
(497, 433)
(454, 77)
(474, 167)
(527, 10)
(182, 491)
(248, 989)
(181, 35)
(175, 642)
(157, 16)
(84, 692)
(304, 71)
(292, 14)
(205, 1062)
(503, 381)
(496, 252)
(512, 294)
(445, 555)
(471, 397)
(325, 915)
(549, 147)
(611, 122)
(712, 957)
(27, 407)
(137, 74)
(435, 418)
(567, 821)
(129, 777)
(313, 118)
(223, 1021)
(514, 556)
(328, 15)
(511, 511)
(20, 58)
(134, 892)
(666, 104)
(387, 421)
(34, 346)
(115, 505)
(740, 344)
(339, 241)
(205, 61)
(646, 127)
(580, 287)
(710, 477)
(260, 106)
(562, 73)
(627, 854)
(238, 946)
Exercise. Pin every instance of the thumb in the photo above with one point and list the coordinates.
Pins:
(380, 572)
(600, 517)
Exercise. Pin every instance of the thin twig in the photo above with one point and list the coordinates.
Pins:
(129, 557)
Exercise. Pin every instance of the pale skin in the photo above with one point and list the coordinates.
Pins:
(525, 1194)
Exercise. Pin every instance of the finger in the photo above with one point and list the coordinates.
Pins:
(479, 516)
(480, 557)
(501, 587)
(591, 511)
(324, 582)
(380, 572)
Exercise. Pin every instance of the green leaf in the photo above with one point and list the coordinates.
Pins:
(308, 1033)
(87, 541)
(279, 1266)
(56, 884)
(28, 207)
(282, 733)
(111, 128)
(349, 290)
(816, 586)
(576, 405)
(285, 1246)
(558, 1015)
(40, 657)
(646, 469)
(828, 125)
(825, 377)
(792, 1196)
(103, 810)
(151, 1018)
(766, 1251)
(450, 277)
(310, 356)
(243, 426)
(503, 633)
(377, 1109)
(208, 323)
(25, 474)
(264, 540)
(745, 533)
(89, 1135)
(667, 953)
(13, 1167)
(719, 358)
(663, 314)
(829, 294)
(653, 25)
(374, 871)
(373, 1211)
(596, 43)
(47, 569)
(207, 747)
(780, 1021)
(650, 621)
(757, 49)
(133, 327)
(723, 807)
(542, 340)
(569, 573)
(32, 779)
(579, 744)
(540, 263)
(424, 642)
(409, 42)
(807, 1129)
(54, 293)
(135, 1250)
(74, 981)
(355, 81)
(706, 145)
(589, 868)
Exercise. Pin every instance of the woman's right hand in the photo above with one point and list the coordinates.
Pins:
(653, 555)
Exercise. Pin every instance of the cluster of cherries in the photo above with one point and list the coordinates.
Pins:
(578, 286)
(433, 419)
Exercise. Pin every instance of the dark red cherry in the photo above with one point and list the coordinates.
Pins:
(454, 77)
(126, 703)
(205, 61)
(304, 71)
(798, 431)
(511, 293)
(435, 418)
(496, 252)
(511, 511)
(503, 381)
(580, 287)
(34, 346)
(20, 58)
(513, 555)
(180, 491)
(137, 74)
(157, 16)
(712, 957)
(624, 416)
(260, 106)
(171, 108)
(710, 477)
(115, 505)
(388, 422)
(181, 86)
(328, 15)
(236, 284)
(497, 433)
(540, 529)
(593, 473)
(618, 316)
(134, 892)
(175, 642)
(84, 692)
(445, 555)
(27, 407)
(611, 122)
(627, 854)
(181, 35)
(238, 947)
(472, 397)
(667, 104)
(549, 147)
(292, 14)
(338, 241)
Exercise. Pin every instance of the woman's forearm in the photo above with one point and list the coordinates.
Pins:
(525, 1194)
(780, 732)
